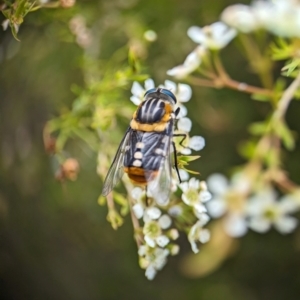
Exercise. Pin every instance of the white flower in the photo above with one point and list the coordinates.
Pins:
(150, 272)
(138, 91)
(198, 234)
(156, 261)
(280, 17)
(196, 143)
(152, 213)
(5, 24)
(150, 35)
(242, 17)
(191, 63)
(184, 175)
(191, 195)
(203, 218)
(165, 221)
(162, 241)
(182, 92)
(149, 241)
(184, 124)
(227, 200)
(215, 36)
(235, 225)
(138, 210)
(137, 193)
(173, 234)
(190, 191)
(175, 211)
(142, 250)
(205, 196)
(185, 151)
(174, 250)
(264, 211)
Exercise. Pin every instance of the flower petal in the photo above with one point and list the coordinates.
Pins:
(196, 34)
(149, 241)
(137, 90)
(216, 207)
(165, 221)
(184, 175)
(235, 225)
(184, 124)
(184, 92)
(150, 272)
(204, 236)
(135, 100)
(288, 204)
(184, 186)
(205, 196)
(136, 193)
(286, 224)
(170, 85)
(162, 241)
(186, 151)
(138, 210)
(149, 84)
(182, 112)
(217, 184)
(153, 212)
(197, 143)
(194, 183)
(259, 224)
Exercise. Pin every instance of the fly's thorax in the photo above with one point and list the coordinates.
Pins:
(153, 114)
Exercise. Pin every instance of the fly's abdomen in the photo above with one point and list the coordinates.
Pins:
(143, 159)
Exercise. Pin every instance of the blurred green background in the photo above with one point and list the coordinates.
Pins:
(55, 242)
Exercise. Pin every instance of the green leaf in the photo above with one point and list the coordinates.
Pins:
(281, 49)
(133, 61)
(61, 141)
(101, 200)
(285, 134)
(260, 97)
(247, 149)
(14, 30)
(188, 158)
(291, 66)
(122, 200)
(114, 218)
(258, 128)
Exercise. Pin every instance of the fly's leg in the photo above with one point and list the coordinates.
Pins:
(175, 163)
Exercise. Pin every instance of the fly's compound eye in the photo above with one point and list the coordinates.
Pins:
(150, 91)
(169, 93)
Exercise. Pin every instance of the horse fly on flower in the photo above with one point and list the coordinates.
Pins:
(145, 150)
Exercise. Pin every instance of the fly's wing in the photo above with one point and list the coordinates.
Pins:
(116, 171)
(160, 187)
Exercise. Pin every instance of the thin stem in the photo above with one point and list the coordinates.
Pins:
(257, 61)
(285, 183)
(286, 98)
(201, 81)
(244, 87)
(110, 202)
(229, 83)
(135, 221)
(225, 79)
(219, 66)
